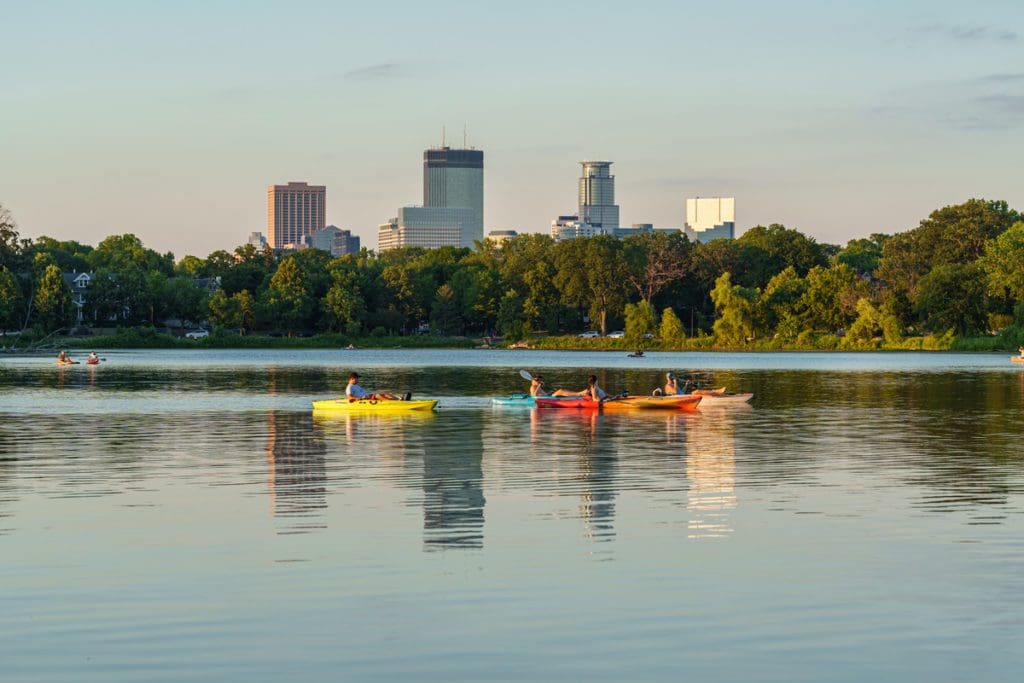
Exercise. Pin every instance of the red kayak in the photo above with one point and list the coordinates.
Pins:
(679, 402)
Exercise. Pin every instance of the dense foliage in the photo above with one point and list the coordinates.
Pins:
(960, 272)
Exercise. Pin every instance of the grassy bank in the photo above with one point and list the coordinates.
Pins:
(149, 338)
(1010, 339)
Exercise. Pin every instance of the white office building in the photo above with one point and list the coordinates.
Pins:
(710, 218)
(425, 226)
(570, 227)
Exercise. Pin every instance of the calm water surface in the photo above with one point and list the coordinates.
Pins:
(176, 515)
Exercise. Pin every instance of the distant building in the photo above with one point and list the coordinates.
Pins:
(257, 240)
(570, 227)
(78, 283)
(597, 205)
(336, 241)
(423, 226)
(303, 242)
(207, 284)
(294, 211)
(710, 218)
(453, 179)
(499, 237)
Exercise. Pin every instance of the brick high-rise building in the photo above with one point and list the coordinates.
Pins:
(294, 213)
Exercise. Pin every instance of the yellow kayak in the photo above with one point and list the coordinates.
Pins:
(373, 406)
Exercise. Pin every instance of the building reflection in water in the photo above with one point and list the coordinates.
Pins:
(296, 471)
(711, 472)
(589, 440)
(453, 494)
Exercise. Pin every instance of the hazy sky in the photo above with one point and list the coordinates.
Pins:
(169, 119)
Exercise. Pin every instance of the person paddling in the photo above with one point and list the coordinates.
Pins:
(537, 386)
(354, 392)
(671, 385)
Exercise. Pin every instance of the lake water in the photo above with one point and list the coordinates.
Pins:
(174, 515)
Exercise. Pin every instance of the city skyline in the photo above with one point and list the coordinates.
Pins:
(838, 122)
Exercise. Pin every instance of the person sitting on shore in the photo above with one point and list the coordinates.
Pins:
(354, 392)
(537, 387)
(593, 391)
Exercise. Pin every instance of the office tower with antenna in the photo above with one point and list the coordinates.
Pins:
(454, 179)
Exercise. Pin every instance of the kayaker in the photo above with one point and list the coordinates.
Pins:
(671, 385)
(354, 392)
(1021, 351)
(93, 358)
(593, 391)
(537, 387)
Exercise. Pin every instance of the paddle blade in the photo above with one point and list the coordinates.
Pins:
(525, 375)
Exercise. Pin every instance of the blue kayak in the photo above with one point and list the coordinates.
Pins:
(524, 400)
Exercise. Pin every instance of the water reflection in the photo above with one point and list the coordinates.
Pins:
(584, 447)
(711, 472)
(296, 471)
(453, 485)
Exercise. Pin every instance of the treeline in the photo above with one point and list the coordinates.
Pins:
(959, 273)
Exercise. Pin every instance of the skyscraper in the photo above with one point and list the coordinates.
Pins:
(710, 218)
(597, 196)
(294, 212)
(453, 179)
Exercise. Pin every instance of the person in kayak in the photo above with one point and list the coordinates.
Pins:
(593, 391)
(671, 385)
(93, 358)
(537, 387)
(64, 358)
(354, 392)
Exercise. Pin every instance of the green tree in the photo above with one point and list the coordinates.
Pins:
(12, 301)
(671, 330)
(246, 310)
(605, 269)
(223, 310)
(952, 296)
(444, 314)
(511, 319)
(767, 251)
(1003, 263)
(344, 304)
(641, 319)
(829, 302)
(655, 260)
(53, 300)
(736, 308)
(287, 301)
(12, 248)
(863, 255)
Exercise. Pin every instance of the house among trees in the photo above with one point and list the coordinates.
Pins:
(78, 283)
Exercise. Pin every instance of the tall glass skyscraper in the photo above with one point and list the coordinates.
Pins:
(453, 179)
(597, 196)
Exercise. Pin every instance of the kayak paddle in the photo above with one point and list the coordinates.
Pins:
(525, 375)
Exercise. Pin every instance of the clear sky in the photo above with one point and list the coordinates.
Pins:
(170, 119)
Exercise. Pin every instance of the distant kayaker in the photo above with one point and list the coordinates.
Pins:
(1021, 351)
(537, 387)
(93, 358)
(64, 358)
(354, 392)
